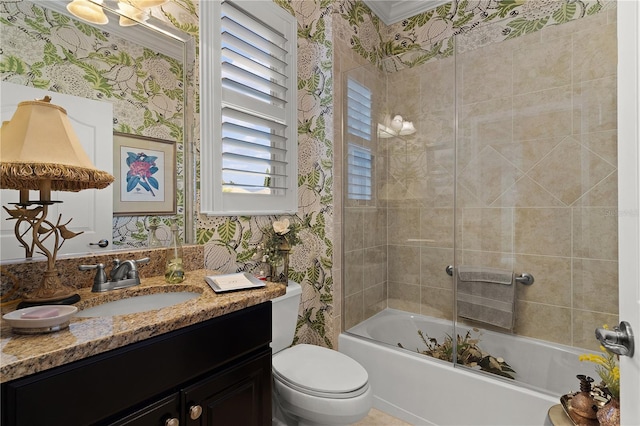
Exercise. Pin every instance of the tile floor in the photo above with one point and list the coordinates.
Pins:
(378, 418)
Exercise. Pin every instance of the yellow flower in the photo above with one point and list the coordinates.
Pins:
(608, 370)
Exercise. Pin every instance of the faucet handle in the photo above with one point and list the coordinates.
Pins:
(142, 261)
(101, 276)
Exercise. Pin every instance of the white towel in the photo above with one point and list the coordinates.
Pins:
(486, 295)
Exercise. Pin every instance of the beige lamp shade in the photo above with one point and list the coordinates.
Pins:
(39, 144)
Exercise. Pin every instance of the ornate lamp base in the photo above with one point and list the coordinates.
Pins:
(51, 292)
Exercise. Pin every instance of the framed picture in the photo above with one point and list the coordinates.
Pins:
(145, 172)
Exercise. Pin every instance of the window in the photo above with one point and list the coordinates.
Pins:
(248, 155)
(359, 158)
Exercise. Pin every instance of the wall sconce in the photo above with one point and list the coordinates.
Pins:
(396, 127)
(40, 151)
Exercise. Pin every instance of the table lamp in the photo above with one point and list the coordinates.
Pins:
(39, 150)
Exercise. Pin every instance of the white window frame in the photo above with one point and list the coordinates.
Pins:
(213, 200)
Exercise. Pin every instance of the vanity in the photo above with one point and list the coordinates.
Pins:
(199, 362)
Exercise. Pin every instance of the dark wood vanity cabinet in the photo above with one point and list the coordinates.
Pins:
(215, 372)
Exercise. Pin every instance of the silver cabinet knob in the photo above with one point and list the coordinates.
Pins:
(172, 422)
(195, 411)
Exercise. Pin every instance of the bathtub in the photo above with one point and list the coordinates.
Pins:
(424, 391)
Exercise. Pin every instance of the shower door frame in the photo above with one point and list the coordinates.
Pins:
(629, 198)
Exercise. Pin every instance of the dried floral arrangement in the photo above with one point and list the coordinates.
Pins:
(468, 353)
(608, 368)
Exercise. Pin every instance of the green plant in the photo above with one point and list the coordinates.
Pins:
(468, 353)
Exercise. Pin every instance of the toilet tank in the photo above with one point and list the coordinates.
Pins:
(284, 312)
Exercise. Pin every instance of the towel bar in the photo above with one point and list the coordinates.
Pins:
(524, 278)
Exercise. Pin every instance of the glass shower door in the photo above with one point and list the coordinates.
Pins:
(536, 184)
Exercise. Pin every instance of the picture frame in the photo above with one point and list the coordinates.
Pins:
(145, 175)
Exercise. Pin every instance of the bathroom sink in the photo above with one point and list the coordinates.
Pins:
(135, 304)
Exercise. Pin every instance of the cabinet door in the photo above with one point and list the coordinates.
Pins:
(238, 396)
(165, 412)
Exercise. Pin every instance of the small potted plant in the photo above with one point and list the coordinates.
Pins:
(279, 239)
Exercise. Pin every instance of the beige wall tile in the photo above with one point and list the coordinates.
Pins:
(481, 124)
(595, 285)
(595, 233)
(405, 297)
(552, 275)
(595, 52)
(353, 228)
(545, 322)
(353, 272)
(437, 85)
(604, 144)
(375, 265)
(375, 227)
(485, 73)
(488, 229)
(544, 231)
(403, 225)
(543, 114)
(433, 264)
(527, 193)
(436, 302)
(570, 170)
(536, 68)
(436, 227)
(604, 194)
(489, 175)
(595, 103)
(404, 264)
(525, 154)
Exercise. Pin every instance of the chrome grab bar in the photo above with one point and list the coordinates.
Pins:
(524, 278)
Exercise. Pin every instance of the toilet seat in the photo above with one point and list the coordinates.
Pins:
(320, 372)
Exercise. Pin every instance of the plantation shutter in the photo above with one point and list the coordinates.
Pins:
(359, 158)
(249, 145)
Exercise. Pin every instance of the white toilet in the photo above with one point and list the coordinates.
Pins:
(313, 385)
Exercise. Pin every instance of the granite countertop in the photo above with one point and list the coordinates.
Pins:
(22, 355)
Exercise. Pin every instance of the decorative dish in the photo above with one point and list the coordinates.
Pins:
(40, 319)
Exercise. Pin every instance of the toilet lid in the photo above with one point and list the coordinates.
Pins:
(319, 370)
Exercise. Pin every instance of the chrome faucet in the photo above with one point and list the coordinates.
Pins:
(122, 275)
